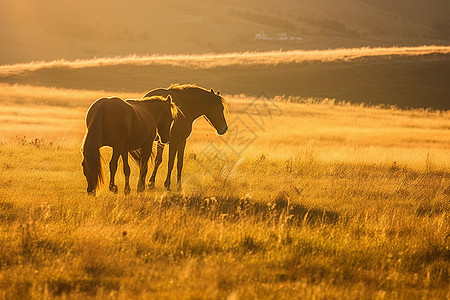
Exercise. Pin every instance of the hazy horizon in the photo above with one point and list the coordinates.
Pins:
(33, 30)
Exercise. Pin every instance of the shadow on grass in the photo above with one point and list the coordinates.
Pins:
(8, 212)
(233, 208)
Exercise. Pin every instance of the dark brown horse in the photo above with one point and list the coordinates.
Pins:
(124, 126)
(193, 102)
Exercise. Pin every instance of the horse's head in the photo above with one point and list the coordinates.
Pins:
(215, 113)
(169, 113)
(92, 164)
(91, 178)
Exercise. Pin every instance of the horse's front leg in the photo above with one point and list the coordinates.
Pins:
(112, 169)
(180, 159)
(158, 160)
(146, 152)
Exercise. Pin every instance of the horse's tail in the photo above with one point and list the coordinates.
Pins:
(91, 148)
(136, 154)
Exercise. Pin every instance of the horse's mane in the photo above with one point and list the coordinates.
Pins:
(177, 86)
(173, 108)
(181, 87)
(152, 98)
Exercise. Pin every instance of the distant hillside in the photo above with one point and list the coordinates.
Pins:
(33, 30)
(406, 77)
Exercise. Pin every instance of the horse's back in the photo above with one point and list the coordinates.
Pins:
(116, 119)
(110, 103)
(158, 92)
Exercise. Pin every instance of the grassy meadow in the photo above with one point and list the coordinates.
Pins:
(301, 199)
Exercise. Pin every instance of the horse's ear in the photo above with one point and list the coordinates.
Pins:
(212, 91)
(218, 93)
(169, 98)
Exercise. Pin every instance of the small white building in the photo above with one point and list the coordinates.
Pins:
(281, 37)
(262, 36)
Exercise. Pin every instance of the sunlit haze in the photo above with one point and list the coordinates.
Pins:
(33, 30)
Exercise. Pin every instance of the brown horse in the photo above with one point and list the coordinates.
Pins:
(193, 102)
(124, 126)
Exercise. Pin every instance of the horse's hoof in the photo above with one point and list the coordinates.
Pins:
(114, 189)
(127, 190)
(151, 185)
(179, 188)
(167, 185)
(140, 188)
(91, 193)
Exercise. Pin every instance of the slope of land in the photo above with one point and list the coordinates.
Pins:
(50, 29)
(406, 77)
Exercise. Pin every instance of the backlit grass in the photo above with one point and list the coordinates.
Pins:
(327, 201)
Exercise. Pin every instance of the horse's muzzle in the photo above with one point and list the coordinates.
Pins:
(223, 131)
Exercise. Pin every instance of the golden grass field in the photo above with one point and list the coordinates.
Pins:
(307, 200)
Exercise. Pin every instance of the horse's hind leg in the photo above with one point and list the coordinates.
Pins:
(113, 168)
(173, 148)
(126, 171)
(158, 160)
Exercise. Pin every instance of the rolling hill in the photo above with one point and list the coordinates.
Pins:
(406, 77)
(49, 29)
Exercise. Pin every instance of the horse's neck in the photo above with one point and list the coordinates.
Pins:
(146, 109)
(192, 106)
